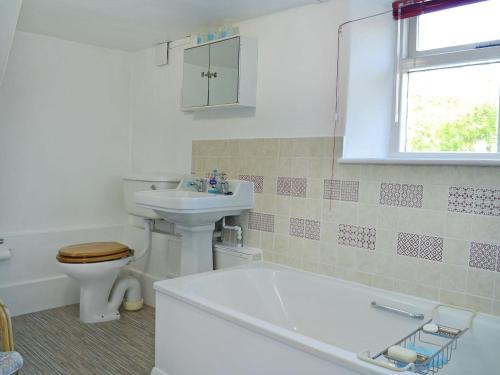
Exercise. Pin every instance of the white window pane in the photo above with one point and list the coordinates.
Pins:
(468, 24)
(453, 110)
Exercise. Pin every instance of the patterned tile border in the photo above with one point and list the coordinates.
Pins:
(292, 186)
(412, 195)
(408, 244)
(258, 182)
(404, 195)
(312, 230)
(356, 236)
(299, 187)
(341, 190)
(390, 194)
(431, 248)
(479, 201)
(487, 202)
(484, 256)
(304, 228)
(420, 246)
(261, 222)
(297, 227)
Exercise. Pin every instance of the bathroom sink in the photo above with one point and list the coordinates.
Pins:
(194, 215)
(183, 206)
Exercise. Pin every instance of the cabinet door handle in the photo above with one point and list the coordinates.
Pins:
(214, 75)
(203, 74)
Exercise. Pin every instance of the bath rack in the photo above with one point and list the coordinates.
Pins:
(434, 349)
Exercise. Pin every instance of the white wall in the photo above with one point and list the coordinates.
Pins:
(295, 90)
(9, 13)
(64, 146)
(63, 135)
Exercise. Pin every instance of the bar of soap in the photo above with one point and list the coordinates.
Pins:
(430, 328)
(402, 354)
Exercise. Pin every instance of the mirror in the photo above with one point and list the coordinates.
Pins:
(195, 76)
(224, 63)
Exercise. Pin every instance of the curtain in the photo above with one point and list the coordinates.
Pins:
(402, 9)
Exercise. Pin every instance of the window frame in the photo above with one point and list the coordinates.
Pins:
(409, 59)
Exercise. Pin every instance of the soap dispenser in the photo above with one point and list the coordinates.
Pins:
(212, 181)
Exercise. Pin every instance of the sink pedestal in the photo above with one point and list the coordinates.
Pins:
(194, 215)
(196, 255)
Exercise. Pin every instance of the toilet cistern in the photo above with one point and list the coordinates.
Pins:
(194, 215)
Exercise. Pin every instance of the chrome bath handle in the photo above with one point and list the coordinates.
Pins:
(397, 311)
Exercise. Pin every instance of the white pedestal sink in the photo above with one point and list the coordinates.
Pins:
(194, 215)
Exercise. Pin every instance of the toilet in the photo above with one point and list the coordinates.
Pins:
(96, 265)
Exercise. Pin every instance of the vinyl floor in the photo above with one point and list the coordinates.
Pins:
(55, 342)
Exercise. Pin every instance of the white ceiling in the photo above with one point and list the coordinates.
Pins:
(136, 24)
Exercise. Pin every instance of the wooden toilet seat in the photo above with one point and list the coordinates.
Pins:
(93, 252)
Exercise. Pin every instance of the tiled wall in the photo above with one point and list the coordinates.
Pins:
(430, 231)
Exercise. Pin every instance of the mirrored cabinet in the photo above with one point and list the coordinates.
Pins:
(220, 73)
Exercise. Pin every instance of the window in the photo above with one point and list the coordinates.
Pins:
(449, 83)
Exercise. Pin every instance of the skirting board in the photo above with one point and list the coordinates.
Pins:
(157, 371)
(40, 294)
(56, 291)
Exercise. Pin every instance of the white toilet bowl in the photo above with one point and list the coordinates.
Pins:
(96, 276)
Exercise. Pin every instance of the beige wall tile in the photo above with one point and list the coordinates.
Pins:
(428, 292)
(453, 277)
(451, 281)
(281, 243)
(428, 273)
(480, 283)
(367, 215)
(484, 305)
(315, 188)
(382, 282)
(313, 209)
(283, 205)
(485, 229)
(299, 167)
(369, 192)
(435, 197)
(456, 252)
(451, 298)
(458, 225)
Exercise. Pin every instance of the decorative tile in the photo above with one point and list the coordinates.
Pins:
(299, 187)
(483, 256)
(356, 236)
(312, 229)
(297, 227)
(487, 202)
(498, 259)
(331, 189)
(284, 186)
(267, 223)
(390, 194)
(431, 248)
(254, 220)
(412, 195)
(261, 222)
(349, 191)
(258, 183)
(460, 199)
(408, 244)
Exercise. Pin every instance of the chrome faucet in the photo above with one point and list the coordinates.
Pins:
(200, 184)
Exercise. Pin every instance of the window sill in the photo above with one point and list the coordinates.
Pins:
(422, 161)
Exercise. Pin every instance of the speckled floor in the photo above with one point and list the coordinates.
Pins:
(55, 342)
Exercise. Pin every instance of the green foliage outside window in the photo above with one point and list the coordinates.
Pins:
(446, 125)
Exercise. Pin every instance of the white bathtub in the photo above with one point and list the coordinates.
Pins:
(267, 319)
